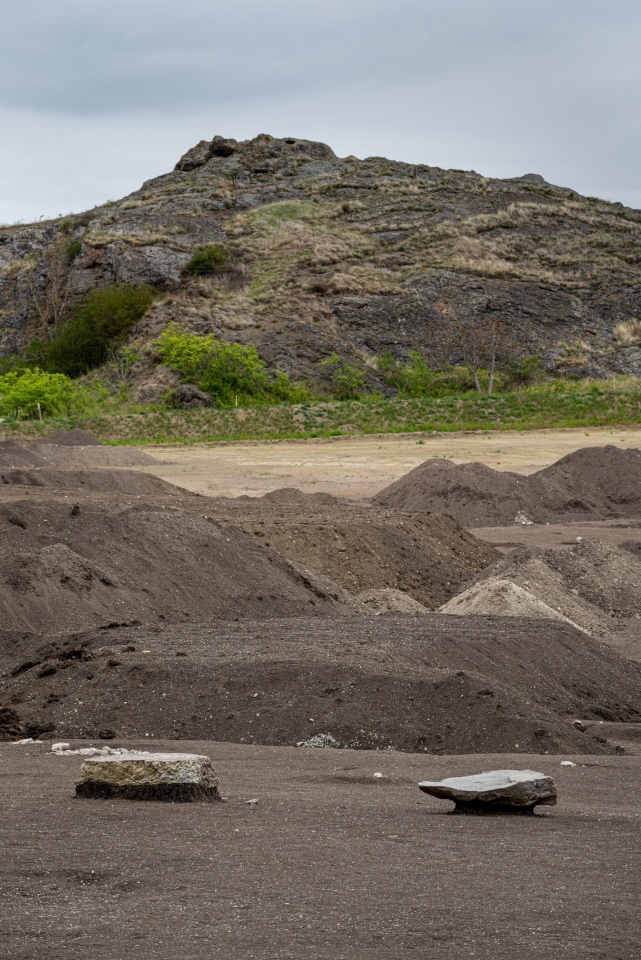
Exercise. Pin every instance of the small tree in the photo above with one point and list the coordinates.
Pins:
(29, 392)
(479, 343)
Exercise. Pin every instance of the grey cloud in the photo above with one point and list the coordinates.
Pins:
(503, 86)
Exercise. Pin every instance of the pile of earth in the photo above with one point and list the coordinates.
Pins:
(93, 481)
(361, 546)
(596, 483)
(430, 683)
(70, 438)
(595, 585)
(65, 567)
(69, 449)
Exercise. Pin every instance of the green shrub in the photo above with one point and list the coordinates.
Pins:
(416, 378)
(100, 323)
(208, 260)
(349, 382)
(72, 250)
(22, 391)
(230, 372)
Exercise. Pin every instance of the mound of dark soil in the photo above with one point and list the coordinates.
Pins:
(71, 438)
(609, 474)
(14, 455)
(93, 481)
(64, 568)
(434, 683)
(595, 483)
(361, 547)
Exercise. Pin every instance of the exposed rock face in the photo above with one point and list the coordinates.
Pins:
(495, 791)
(160, 776)
(349, 256)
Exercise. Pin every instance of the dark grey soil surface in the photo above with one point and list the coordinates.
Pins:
(591, 484)
(432, 683)
(71, 438)
(329, 864)
(361, 546)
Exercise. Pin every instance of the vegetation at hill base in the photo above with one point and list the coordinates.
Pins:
(544, 406)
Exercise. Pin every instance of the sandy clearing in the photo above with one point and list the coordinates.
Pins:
(361, 466)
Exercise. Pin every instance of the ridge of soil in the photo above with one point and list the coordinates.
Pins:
(595, 483)
(432, 683)
(98, 480)
(117, 562)
(70, 438)
(361, 546)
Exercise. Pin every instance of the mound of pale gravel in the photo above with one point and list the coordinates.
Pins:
(431, 683)
(391, 601)
(595, 584)
(501, 598)
(67, 568)
(591, 484)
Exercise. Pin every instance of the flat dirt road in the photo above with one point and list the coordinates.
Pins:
(329, 864)
(361, 466)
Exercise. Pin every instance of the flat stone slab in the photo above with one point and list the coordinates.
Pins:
(182, 777)
(495, 791)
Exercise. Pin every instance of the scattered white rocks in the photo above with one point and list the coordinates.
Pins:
(64, 750)
(26, 741)
(494, 791)
(320, 740)
(182, 777)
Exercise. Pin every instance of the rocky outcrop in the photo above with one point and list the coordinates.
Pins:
(338, 255)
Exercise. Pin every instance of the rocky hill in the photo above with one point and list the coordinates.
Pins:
(356, 257)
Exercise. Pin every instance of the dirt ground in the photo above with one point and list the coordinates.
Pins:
(361, 466)
(329, 863)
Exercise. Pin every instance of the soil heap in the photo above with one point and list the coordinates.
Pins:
(595, 584)
(65, 567)
(433, 683)
(70, 438)
(595, 483)
(360, 546)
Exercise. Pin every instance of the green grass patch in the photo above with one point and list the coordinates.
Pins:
(552, 406)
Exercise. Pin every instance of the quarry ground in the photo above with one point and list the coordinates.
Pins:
(329, 863)
(361, 466)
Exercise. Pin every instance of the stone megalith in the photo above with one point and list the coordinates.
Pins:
(182, 777)
(495, 791)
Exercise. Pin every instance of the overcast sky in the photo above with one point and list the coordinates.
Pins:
(96, 97)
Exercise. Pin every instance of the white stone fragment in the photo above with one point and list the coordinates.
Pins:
(495, 789)
(567, 763)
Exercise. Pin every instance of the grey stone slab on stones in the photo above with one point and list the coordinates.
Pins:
(495, 791)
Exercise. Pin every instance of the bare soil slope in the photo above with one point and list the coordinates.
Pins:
(591, 484)
(362, 547)
(64, 568)
(434, 683)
